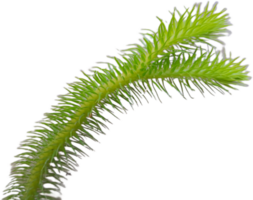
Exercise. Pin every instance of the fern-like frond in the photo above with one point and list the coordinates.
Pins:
(168, 56)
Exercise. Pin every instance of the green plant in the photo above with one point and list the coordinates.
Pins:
(167, 55)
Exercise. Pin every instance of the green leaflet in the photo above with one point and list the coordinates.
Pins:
(166, 55)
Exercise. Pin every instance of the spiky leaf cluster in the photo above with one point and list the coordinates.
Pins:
(187, 53)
